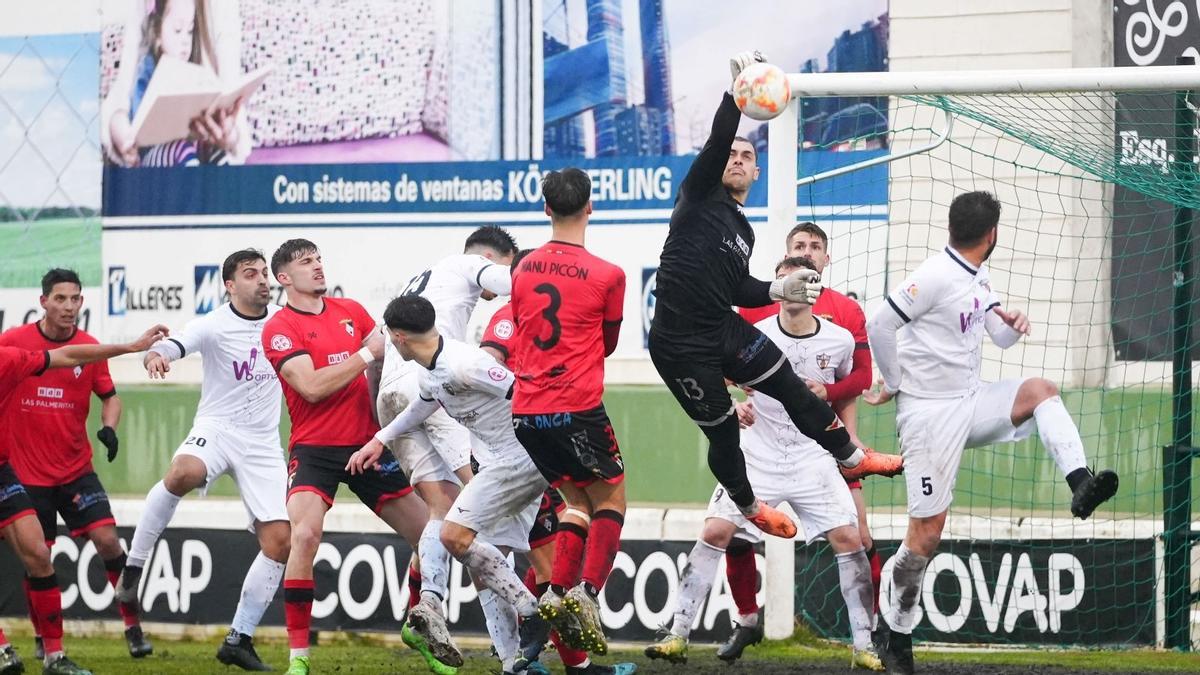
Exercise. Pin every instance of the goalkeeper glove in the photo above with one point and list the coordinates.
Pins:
(108, 436)
(740, 61)
(803, 285)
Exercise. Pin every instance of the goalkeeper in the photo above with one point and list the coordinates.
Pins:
(696, 340)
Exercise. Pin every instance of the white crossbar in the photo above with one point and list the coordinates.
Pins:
(1150, 78)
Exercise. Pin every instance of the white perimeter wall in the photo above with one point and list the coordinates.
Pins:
(1072, 249)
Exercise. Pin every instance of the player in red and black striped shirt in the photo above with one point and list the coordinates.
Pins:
(567, 305)
(321, 346)
(45, 432)
(19, 524)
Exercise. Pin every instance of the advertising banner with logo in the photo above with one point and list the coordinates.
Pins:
(1146, 33)
(388, 145)
(1031, 592)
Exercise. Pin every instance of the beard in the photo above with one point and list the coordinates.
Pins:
(991, 247)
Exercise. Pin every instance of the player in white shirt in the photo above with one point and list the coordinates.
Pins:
(499, 504)
(436, 455)
(784, 465)
(927, 340)
(235, 432)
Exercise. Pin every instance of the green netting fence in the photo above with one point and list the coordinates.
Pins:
(1090, 185)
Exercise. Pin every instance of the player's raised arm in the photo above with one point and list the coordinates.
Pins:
(708, 167)
(190, 340)
(1006, 328)
(315, 385)
(78, 355)
(495, 278)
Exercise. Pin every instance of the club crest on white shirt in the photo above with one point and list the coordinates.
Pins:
(823, 360)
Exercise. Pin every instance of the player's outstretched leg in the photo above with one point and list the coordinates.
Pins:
(815, 419)
(1038, 398)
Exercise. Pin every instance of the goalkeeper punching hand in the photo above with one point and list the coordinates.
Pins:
(740, 61)
(108, 436)
(802, 285)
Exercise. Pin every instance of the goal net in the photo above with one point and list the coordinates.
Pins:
(1089, 182)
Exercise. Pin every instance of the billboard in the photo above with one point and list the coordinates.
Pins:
(1030, 592)
(416, 122)
(1142, 234)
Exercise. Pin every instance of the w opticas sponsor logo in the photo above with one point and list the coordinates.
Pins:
(243, 371)
(210, 289)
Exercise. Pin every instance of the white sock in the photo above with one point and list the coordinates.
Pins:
(158, 512)
(694, 585)
(435, 562)
(489, 567)
(854, 572)
(501, 619)
(748, 620)
(908, 572)
(51, 657)
(293, 653)
(854, 459)
(258, 590)
(1060, 435)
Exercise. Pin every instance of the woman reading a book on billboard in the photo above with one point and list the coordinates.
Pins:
(158, 40)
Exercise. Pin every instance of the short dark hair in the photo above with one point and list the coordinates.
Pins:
(59, 275)
(567, 191)
(746, 140)
(796, 261)
(811, 228)
(230, 266)
(494, 237)
(972, 216)
(409, 313)
(289, 251)
(512, 269)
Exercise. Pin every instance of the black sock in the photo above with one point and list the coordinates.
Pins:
(558, 590)
(1078, 477)
(591, 590)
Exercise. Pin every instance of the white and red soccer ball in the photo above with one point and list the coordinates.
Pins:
(761, 91)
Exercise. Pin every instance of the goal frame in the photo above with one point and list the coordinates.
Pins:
(784, 179)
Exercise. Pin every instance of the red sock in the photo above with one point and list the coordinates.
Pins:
(3, 638)
(414, 586)
(128, 610)
(37, 628)
(297, 609)
(46, 601)
(568, 555)
(570, 657)
(742, 574)
(876, 572)
(530, 580)
(604, 539)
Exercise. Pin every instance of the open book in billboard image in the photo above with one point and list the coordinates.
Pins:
(179, 91)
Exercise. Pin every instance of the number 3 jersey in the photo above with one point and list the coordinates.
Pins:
(773, 445)
(240, 386)
(561, 299)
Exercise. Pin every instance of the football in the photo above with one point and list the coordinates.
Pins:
(762, 91)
